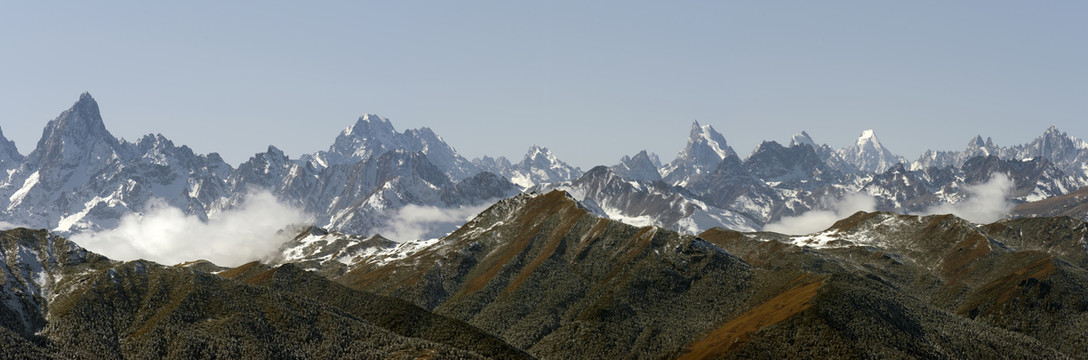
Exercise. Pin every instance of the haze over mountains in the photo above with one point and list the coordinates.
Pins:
(391, 245)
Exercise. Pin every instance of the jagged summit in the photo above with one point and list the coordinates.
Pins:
(540, 157)
(976, 142)
(373, 135)
(75, 136)
(868, 136)
(272, 149)
(540, 165)
(539, 152)
(868, 154)
(802, 139)
(82, 120)
(705, 149)
(706, 135)
(638, 168)
(369, 124)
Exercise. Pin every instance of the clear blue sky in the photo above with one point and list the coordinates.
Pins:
(591, 80)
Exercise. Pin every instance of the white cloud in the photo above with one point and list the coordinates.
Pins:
(986, 202)
(167, 235)
(816, 220)
(6, 225)
(414, 222)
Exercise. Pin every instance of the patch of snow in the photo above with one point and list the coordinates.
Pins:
(28, 185)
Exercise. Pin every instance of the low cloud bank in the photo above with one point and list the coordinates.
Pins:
(166, 235)
(6, 225)
(986, 202)
(415, 222)
(815, 220)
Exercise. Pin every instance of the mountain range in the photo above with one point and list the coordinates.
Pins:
(81, 178)
(641, 259)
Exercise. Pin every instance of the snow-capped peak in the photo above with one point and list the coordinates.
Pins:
(712, 138)
(537, 152)
(868, 155)
(802, 138)
(705, 149)
(539, 166)
(977, 142)
(868, 137)
(1052, 130)
(369, 124)
(639, 167)
(81, 121)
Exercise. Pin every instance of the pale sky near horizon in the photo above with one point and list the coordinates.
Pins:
(592, 81)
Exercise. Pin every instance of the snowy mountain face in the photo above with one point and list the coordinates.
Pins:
(705, 149)
(869, 155)
(362, 197)
(331, 252)
(1068, 154)
(825, 152)
(975, 148)
(80, 177)
(372, 136)
(798, 164)
(539, 166)
(645, 203)
(641, 167)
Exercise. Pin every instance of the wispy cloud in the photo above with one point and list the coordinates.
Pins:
(985, 202)
(167, 235)
(816, 220)
(414, 222)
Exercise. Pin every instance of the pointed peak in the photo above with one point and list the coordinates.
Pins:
(369, 124)
(86, 101)
(868, 136)
(537, 149)
(977, 142)
(82, 120)
(705, 147)
(802, 138)
(707, 129)
(1052, 130)
(767, 145)
(272, 149)
(372, 118)
(154, 140)
(598, 171)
